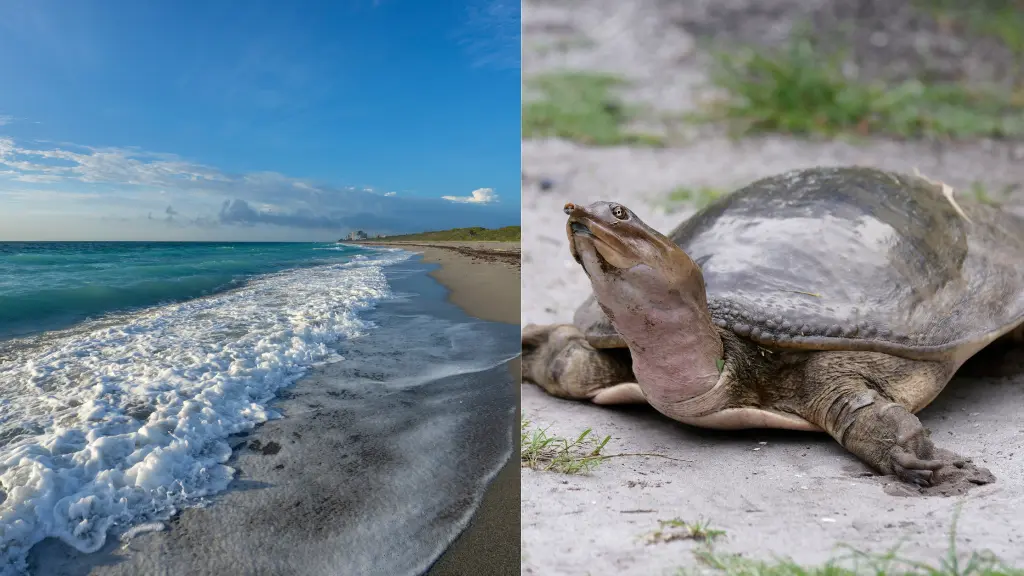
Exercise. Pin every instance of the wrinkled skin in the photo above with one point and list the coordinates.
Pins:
(684, 361)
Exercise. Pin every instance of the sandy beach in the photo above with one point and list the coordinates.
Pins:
(302, 481)
(483, 276)
(484, 281)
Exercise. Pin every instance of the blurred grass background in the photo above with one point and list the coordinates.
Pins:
(810, 86)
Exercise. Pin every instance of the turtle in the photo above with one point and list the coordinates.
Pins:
(829, 299)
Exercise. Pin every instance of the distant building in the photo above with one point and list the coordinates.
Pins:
(358, 235)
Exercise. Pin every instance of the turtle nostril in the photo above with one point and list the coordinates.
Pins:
(569, 207)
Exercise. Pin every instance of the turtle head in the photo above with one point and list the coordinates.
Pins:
(654, 295)
(615, 247)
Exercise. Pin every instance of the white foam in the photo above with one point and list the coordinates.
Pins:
(125, 422)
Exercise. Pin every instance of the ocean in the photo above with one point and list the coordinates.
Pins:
(49, 285)
(126, 369)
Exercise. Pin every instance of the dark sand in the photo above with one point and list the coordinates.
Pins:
(303, 481)
(484, 281)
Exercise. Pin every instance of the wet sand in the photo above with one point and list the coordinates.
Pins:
(484, 280)
(302, 479)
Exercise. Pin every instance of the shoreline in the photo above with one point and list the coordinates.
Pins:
(482, 278)
(294, 517)
(479, 277)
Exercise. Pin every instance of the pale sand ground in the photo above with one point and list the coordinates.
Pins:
(797, 495)
(277, 521)
(489, 290)
(483, 276)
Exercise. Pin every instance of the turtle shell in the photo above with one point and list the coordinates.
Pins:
(858, 259)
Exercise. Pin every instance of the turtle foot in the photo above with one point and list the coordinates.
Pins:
(895, 443)
(925, 469)
(948, 474)
(561, 361)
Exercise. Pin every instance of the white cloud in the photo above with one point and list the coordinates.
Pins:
(134, 182)
(5, 120)
(48, 200)
(478, 196)
(38, 178)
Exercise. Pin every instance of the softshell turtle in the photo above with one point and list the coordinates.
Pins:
(830, 299)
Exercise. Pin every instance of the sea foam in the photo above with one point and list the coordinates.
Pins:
(122, 421)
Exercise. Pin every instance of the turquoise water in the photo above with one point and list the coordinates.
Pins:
(50, 285)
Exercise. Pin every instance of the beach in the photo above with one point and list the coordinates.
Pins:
(347, 481)
(483, 276)
(484, 281)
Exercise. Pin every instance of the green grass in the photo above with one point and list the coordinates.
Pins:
(541, 451)
(856, 564)
(859, 563)
(677, 529)
(981, 194)
(582, 107)
(474, 234)
(797, 90)
(700, 196)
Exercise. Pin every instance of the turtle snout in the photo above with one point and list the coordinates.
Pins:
(579, 217)
(576, 213)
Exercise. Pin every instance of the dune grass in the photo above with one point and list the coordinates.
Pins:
(473, 234)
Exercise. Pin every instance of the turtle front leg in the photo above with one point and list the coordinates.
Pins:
(559, 359)
(865, 402)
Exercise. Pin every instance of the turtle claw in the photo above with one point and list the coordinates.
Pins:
(921, 478)
(909, 468)
(946, 473)
(912, 458)
(915, 460)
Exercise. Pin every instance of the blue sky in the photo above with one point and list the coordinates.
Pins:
(257, 120)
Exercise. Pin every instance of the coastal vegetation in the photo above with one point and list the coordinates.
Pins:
(473, 234)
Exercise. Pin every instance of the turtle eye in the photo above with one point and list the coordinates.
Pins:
(619, 212)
